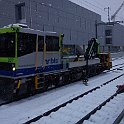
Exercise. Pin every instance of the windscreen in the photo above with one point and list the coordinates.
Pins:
(7, 45)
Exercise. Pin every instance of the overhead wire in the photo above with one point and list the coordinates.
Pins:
(94, 7)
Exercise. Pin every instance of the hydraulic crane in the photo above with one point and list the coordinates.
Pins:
(92, 50)
(114, 15)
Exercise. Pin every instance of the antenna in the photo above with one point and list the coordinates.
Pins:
(108, 8)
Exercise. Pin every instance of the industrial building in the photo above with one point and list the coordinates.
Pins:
(78, 24)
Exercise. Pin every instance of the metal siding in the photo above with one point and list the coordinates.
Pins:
(57, 15)
(73, 36)
(118, 35)
(79, 11)
(66, 36)
(58, 29)
(48, 28)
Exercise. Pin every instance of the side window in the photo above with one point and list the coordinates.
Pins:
(40, 43)
(7, 45)
(108, 40)
(26, 43)
(52, 43)
(108, 32)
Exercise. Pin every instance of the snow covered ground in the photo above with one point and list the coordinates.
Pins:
(122, 121)
(108, 113)
(21, 111)
(73, 112)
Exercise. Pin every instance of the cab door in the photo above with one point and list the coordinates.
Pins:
(40, 53)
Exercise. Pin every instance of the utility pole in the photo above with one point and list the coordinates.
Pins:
(108, 8)
(30, 9)
(96, 29)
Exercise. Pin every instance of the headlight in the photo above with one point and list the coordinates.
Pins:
(13, 68)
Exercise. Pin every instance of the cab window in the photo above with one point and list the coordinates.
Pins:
(26, 43)
(52, 43)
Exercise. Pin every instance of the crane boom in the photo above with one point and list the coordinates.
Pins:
(113, 16)
(92, 50)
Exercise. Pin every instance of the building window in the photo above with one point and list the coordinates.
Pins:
(108, 32)
(108, 40)
(20, 13)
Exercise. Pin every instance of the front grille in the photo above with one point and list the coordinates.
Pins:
(6, 66)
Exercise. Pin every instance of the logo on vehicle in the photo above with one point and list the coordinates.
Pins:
(51, 61)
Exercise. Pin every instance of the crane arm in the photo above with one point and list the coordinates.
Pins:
(113, 16)
(92, 49)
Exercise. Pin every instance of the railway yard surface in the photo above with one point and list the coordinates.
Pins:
(96, 103)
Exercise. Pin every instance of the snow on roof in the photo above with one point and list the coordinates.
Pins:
(17, 25)
(25, 28)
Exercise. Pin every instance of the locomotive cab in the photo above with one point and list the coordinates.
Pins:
(26, 55)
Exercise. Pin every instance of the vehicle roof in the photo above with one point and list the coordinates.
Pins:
(26, 29)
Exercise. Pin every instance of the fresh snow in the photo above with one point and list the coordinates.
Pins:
(85, 104)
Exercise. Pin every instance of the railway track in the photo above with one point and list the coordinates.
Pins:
(118, 58)
(119, 118)
(117, 68)
(118, 65)
(74, 106)
(92, 115)
(28, 95)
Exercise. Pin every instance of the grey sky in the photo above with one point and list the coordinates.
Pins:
(99, 5)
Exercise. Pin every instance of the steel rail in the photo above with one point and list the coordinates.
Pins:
(86, 117)
(119, 118)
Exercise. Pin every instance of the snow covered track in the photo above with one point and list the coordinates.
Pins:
(78, 105)
(96, 109)
(101, 116)
(119, 118)
(118, 67)
(58, 107)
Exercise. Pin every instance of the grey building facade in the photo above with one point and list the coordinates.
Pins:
(114, 37)
(62, 16)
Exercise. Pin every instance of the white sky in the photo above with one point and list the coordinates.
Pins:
(99, 5)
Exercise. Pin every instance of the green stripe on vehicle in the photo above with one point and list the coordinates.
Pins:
(16, 54)
(9, 30)
(8, 59)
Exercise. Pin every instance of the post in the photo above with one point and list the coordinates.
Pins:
(108, 8)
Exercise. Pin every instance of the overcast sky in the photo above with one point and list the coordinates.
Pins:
(99, 5)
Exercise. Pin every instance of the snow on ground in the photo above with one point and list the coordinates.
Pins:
(122, 121)
(21, 111)
(118, 61)
(109, 112)
(73, 112)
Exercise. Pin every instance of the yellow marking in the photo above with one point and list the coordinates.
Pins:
(36, 58)
(19, 84)
(55, 52)
(44, 54)
(36, 82)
